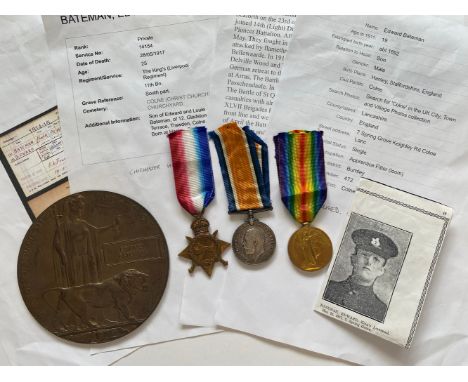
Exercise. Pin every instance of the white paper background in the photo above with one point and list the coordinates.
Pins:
(27, 85)
(153, 188)
(27, 89)
(277, 303)
(201, 295)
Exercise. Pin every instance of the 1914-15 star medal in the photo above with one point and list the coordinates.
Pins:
(193, 176)
(205, 249)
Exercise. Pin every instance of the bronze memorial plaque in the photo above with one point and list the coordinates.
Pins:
(93, 267)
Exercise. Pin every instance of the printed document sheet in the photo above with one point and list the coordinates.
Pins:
(123, 83)
(390, 95)
(250, 52)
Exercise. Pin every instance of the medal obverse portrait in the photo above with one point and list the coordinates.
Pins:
(254, 242)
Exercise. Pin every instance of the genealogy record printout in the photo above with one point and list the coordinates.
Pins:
(123, 83)
(390, 94)
(131, 80)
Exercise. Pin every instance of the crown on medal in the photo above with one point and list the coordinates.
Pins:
(200, 226)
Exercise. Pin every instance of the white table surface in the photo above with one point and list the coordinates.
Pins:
(225, 348)
(232, 348)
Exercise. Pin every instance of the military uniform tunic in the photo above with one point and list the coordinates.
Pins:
(358, 298)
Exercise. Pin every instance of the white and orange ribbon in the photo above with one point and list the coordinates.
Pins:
(243, 157)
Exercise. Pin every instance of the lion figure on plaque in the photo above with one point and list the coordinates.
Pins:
(92, 304)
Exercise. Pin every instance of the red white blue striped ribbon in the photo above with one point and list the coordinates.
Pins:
(193, 173)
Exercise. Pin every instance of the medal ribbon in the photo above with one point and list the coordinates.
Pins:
(243, 157)
(301, 172)
(191, 164)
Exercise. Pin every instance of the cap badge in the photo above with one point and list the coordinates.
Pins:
(375, 242)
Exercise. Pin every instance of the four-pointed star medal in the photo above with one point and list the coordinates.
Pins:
(204, 249)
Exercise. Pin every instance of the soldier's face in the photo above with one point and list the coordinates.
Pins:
(367, 266)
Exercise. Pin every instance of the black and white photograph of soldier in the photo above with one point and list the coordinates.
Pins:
(367, 266)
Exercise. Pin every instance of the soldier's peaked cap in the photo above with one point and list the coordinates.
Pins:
(376, 242)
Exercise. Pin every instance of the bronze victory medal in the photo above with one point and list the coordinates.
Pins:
(253, 242)
(93, 267)
(310, 249)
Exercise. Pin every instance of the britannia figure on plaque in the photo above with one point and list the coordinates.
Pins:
(75, 238)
